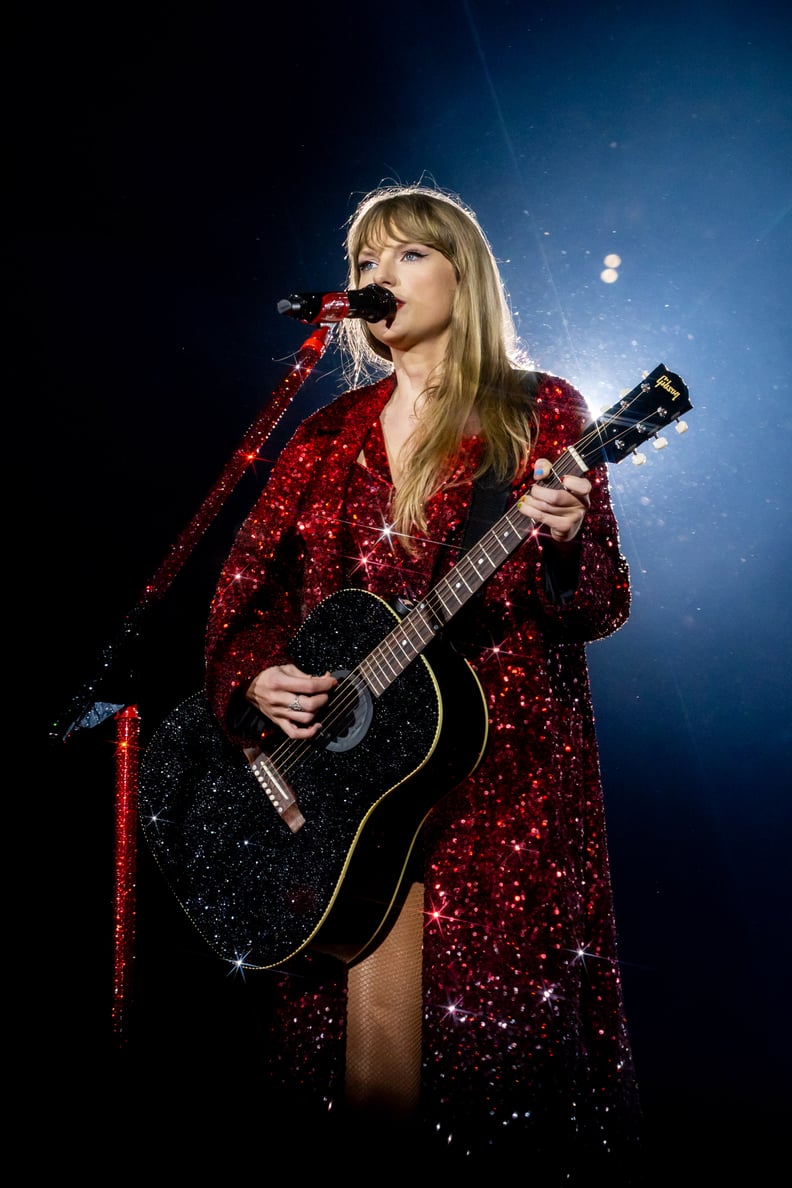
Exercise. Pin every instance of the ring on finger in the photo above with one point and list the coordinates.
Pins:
(295, 706)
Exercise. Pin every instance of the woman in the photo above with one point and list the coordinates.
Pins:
(491, 1016)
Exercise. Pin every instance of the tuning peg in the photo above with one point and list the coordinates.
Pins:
(638, 459)
(681, 426)
(660, 443)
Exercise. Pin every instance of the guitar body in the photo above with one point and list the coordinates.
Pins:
(264, 895)
(302, 854)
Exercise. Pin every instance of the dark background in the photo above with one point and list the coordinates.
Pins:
(179, 170)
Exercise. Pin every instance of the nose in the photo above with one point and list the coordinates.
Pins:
(384, 273)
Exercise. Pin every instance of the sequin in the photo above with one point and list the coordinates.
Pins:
(525, 1044)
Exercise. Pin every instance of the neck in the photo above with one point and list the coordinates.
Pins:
(401, 414)
(416, 366)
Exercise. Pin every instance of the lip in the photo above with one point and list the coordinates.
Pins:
(389, 321)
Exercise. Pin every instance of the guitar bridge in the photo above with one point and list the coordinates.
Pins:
(278, 792)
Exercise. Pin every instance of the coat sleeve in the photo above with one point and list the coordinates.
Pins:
(587, 596)
(256, 608)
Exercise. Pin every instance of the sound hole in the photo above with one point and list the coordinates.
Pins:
(348, 714)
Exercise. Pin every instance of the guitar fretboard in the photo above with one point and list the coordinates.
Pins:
(420, 626)
(654, 403)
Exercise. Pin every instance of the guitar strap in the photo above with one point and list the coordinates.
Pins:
(487, 505)
(488, 502)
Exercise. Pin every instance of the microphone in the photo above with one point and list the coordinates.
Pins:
(373, 304)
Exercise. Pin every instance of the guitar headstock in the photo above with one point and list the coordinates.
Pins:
(657, 401)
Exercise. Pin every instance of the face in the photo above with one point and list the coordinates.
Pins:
(423, 282)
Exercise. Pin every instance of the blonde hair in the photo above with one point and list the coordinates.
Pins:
(480, 366)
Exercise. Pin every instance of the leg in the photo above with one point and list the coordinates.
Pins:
(383, 1057)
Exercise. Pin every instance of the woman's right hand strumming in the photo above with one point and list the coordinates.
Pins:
(290, 698)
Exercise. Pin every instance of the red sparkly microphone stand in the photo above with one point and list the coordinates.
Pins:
(321, 310)
(90, 711)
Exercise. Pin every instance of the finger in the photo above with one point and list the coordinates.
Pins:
(577, 486)
(294, 730)
(311, 686)
(296, 708)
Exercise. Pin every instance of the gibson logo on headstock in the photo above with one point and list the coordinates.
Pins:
(665, 382)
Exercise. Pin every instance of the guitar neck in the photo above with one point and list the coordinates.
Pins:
(658, 400)
(423, 622)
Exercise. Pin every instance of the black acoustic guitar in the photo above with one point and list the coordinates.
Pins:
(300, 854)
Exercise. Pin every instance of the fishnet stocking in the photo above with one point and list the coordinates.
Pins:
(383, 1054)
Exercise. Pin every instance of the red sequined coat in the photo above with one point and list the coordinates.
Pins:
(524, 1032)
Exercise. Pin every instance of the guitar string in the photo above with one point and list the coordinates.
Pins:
(393, 658)
(289, 753)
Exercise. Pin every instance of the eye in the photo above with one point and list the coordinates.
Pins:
(365, 265)
(414, 254)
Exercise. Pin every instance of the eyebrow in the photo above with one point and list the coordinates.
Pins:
(404, 243)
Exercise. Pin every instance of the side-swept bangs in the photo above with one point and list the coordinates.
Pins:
(410, 218)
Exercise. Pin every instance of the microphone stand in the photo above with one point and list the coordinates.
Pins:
(90, 706)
